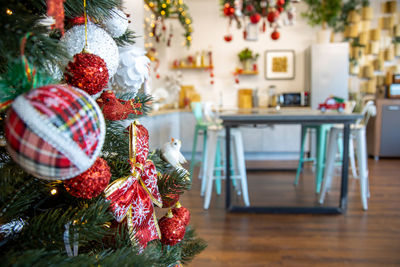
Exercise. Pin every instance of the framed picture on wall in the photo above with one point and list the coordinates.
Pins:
(279, 64)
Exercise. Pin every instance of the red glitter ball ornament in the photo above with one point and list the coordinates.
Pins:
(280, 2)
(181, 213)
(228, 38)
(172, 229)
(87, 72)
(228, 10)
(92, 182)
(275, 35)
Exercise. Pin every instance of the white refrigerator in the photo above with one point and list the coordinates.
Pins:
(327, 71)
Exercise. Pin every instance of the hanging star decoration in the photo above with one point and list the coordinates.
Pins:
(132, 197)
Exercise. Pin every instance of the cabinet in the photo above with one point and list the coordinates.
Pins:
(383, 131)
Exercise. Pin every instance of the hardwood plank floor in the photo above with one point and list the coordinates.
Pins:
(357, 238)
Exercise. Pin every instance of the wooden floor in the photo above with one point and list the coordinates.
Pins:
(357, 238)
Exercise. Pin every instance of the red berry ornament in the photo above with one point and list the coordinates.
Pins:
(228, 38)
(172, 229)
(272, 16)
(280, 9)
(280, 2)
(255, 18)
(275, 35)
(181, 213)
(92, 182)
(87, 72)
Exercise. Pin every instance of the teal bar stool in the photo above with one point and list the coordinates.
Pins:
(200, 128)
(322, 133)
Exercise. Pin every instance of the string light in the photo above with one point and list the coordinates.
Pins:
(9, 11)
(151, 4)
(152, 16)
(152, 25)
(180, 2)
(189, 38)
(183, 13)
(162, 12)
(151, 34)
(163, 5)
(53, 191)
(187, 21)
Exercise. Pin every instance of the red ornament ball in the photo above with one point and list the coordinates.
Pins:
(280, 9)
(181, 213)
(272, 16)
(250, 8)
(169, 200)
(172, 230)
(211, 82)
(158, 76)
(275, 35)
(228, 38)
(280, 2)
(255, 18)
(92, 182)
(88, 72)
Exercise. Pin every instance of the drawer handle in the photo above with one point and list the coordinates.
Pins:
(393, 108)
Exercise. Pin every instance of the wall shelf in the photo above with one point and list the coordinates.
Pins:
(246, 72)
(192, 67)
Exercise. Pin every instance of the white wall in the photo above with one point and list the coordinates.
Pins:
(209, 29)
(136, 10)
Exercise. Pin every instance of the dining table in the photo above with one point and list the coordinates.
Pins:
(301, 116)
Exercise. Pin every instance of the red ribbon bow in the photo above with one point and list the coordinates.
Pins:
(132, 197)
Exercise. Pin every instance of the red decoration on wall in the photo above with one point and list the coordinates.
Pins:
(115, 109)
(272, 16)
(275, 35)
(55, 9)
(255, 18)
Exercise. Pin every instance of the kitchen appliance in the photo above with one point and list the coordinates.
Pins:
(298, 99)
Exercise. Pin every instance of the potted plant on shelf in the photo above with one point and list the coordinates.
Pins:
(324, 13)
(247, 57)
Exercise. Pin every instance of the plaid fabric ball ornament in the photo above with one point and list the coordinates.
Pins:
(55, 132)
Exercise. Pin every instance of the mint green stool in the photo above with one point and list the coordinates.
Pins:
(200, 127)
(322, 133)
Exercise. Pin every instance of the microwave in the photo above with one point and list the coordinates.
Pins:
(298, 99)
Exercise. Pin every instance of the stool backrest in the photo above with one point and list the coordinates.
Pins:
(368, 110)
(197, 111)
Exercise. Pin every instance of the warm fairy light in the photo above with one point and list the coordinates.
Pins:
(162, 12)
(146, 45)
(152, 25)
(180, 2)
(151, 4)
(151, 34)
(183, 13)
(187, 21)
(9, 11)
(189, 38)
(163, 5)
(147, 19)
(168, 1)
(152, 16)
(180, 9)
(53, 191)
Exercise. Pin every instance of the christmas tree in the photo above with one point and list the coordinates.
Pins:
(78, 184)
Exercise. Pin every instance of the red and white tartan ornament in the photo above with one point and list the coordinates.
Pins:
(132, 197)
(55, 132)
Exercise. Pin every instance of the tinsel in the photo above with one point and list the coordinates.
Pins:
(99, 43)
(87, 72)
(90, 183)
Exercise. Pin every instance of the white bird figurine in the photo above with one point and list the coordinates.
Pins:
(171, 153)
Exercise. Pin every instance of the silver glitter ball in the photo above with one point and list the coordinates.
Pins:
(99, 43)
(117, 24)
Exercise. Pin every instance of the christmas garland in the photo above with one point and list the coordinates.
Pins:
(164, 9)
